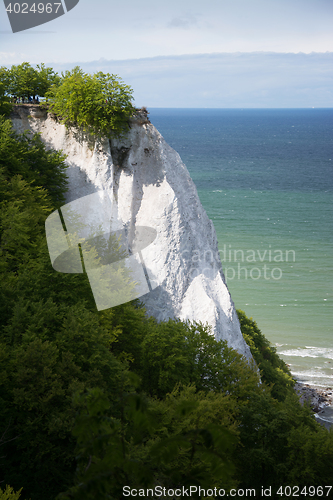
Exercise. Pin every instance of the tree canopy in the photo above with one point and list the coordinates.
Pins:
(5, 104)
(100, 103)
(25, 81)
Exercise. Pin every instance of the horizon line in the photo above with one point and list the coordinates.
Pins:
(198, 54)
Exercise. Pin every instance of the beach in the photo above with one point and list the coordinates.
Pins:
(320, 399)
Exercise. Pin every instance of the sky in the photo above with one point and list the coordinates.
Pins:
(217, 53)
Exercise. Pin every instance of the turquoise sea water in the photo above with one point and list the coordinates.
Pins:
(265, 178)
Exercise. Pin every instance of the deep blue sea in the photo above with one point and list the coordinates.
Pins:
(265, 178)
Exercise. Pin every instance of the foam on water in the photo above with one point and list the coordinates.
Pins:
(265, 179)
(309, 364)
(312, 352)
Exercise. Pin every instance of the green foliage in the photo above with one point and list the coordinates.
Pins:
(46, 352)
(27, 156)
(25, 165)
(206, 424)
(50, 353)
(98, 103)
(178, 443)
(273, 369)
(5, 104)
(304, 444)
(137, 402)
(174, 352)
(5, 77)
(25, 81)
(279, 441)
(9, 494)
(168, 353)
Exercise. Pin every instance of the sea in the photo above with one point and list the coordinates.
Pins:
(265, 179)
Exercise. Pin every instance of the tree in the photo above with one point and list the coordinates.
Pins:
(26, 155)
(183, 441)
(25, 81)
(5, 104)
(281, 444)
(99, 103)
(172, 352)
(46, 78)
(52, 343)
(5, 78)
(273, 370)
(154, 403)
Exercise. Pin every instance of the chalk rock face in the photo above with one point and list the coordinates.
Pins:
(152, 188)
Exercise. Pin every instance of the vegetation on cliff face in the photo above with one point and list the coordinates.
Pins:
(273, 370)
(100, 104)
(92, 401)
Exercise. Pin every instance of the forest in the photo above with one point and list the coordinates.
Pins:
(93, 401)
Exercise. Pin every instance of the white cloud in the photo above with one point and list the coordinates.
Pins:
(9, 58)
(226, 80)
(131, 29)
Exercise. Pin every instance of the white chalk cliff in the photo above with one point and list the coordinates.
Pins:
(152, 188)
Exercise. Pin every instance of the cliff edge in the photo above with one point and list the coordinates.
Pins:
(152, 188)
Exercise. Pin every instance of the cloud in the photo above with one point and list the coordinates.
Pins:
(186, 21)
(132, 29)
(224, 80)
(9, 58)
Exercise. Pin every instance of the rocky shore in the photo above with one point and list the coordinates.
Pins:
(320, 400)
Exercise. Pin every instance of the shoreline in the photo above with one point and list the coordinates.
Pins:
(320, 399)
